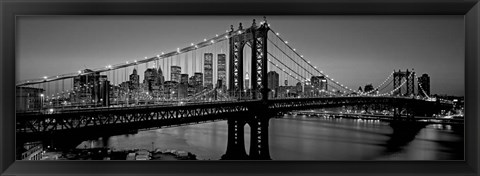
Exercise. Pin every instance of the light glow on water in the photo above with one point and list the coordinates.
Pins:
(301, 138)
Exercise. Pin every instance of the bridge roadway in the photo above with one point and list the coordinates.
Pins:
(121, 120)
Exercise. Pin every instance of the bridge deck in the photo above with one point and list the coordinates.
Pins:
(145, 116)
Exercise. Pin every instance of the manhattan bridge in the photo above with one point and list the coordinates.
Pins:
(111, 100)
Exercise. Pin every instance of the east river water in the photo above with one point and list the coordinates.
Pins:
(302, 138)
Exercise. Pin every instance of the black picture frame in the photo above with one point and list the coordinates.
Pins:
(10, 9)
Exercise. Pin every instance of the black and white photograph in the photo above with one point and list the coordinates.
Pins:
(216, 87)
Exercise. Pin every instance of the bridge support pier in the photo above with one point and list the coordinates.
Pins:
(235, 144)
(259, 148)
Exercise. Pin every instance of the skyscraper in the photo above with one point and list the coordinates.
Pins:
(191, 85)
(323, 83)
(183, 86)
(191, 80)
(222, 69)
(308, 89)
(150, 79)
(315, 80)
(208, 70)
(161, 78)
(299, 88)
(184, 78)
(176, 71)
(103, 89)
(170, 89)
(198, 81)
(273, 82)
(424, 82)
(319, 82)
(85, 86)
(134, 80)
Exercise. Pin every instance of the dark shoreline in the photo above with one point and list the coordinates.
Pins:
(109, 154)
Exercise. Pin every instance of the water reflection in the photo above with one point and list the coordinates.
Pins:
(306, 138)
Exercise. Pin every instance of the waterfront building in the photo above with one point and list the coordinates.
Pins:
(31, 151)
(29, 98)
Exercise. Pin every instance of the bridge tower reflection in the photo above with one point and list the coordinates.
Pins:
(258, 120)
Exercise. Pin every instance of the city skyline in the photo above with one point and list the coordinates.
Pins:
(278, 102)
(446, 40)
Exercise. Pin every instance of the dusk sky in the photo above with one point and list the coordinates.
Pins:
(354, 50)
